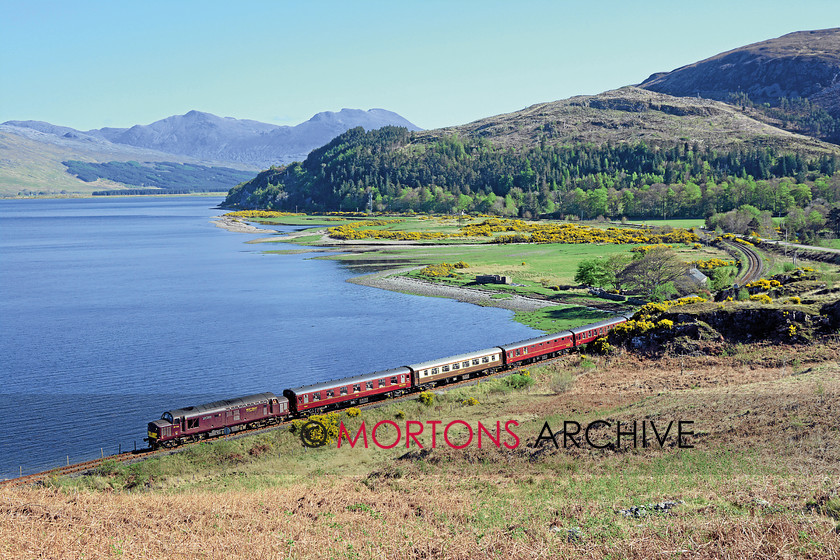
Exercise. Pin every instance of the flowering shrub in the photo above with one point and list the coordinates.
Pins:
(762, 298)
(796, 300)
(472, 401)
(710, 264)
(792, 331)
(330, 421)
(440, 270)
(601, 346)
(646, 248)
(426, 397)
(764, 284)
(533, 232)
(261, 214)
(665, 324)
(352, 412)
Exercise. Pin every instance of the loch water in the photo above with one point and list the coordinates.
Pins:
(113, 310)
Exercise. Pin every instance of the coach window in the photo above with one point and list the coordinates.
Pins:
(435, 371)
(485, 359)
(456, 365)
(525, 350)
(342, 391)
(330, 393)
(357, 387)
(466, 364)
(316, 396)
(475, 361)
(369, 385)
(518, 351)
(445, 368)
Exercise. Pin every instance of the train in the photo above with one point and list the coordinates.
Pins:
(193, 423)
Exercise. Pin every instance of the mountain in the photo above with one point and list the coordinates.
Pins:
(802, 64)
(207, 137)
(32, 152)
(631, 114)
(791, 81)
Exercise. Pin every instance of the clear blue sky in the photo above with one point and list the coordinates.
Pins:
(89, 64)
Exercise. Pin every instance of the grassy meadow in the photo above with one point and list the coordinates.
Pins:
(760, 481)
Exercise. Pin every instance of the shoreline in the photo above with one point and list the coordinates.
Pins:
(237, 226)
(386, 280)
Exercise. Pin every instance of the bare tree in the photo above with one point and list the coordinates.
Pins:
(652, 273)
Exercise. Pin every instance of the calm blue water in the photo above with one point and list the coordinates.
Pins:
(113, 310)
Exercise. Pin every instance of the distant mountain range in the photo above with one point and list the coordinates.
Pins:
(781, 94)
(32, 152)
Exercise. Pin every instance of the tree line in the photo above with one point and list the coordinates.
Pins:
(392, 169)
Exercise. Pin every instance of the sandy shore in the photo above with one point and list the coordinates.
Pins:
(237, 226)
(387, 281)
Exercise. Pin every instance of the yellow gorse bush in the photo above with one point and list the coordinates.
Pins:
(261, 214)
(713, 263)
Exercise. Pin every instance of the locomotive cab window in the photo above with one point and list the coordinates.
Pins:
(168, 417)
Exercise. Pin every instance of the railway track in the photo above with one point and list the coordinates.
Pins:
(142, 454)
(754, 266)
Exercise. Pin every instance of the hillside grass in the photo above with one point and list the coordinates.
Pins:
(758, 482)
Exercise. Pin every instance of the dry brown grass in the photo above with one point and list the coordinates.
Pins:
(765, 464)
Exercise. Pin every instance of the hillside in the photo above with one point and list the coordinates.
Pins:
(631, 114)
(801, 64)
(783, 73)
(619, 153)
(31, 162)
(759, 480)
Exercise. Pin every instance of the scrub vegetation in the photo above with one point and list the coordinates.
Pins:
(759, 481)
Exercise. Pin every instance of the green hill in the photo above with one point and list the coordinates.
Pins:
(627, 152)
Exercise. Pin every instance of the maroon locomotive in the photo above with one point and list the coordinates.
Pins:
(216, 418)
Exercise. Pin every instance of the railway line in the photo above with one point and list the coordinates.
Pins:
(754, 266)
(143, 454)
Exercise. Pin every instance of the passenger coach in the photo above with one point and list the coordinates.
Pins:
(588, 333)
(442, 370)
(349, 391)
(539, 348)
